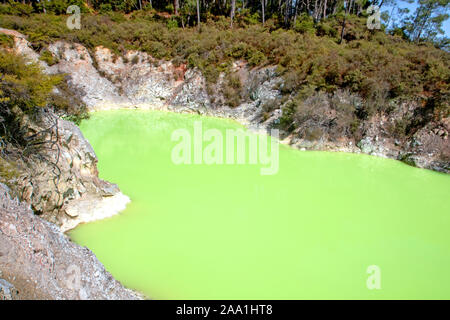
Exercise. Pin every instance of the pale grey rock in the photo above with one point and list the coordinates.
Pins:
(366, 145)
(75, 60)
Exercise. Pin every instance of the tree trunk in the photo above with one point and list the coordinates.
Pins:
(233, 7)
(343, 23)
(263, 18)
(198, 14)
(316, 10)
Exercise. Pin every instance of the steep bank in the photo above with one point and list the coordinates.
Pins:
(61, 181)
(37, 261)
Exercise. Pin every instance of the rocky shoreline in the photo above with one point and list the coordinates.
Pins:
(75, 194)
(37, 261)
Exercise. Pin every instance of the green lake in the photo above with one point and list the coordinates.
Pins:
(311, 231)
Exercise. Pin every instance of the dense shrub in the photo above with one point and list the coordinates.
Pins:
(24, 85)
(304, 24)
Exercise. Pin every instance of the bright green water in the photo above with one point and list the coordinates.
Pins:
(225, 231)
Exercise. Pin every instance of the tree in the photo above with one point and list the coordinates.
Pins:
(426, 21)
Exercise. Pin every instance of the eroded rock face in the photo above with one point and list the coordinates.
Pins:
(62, 185)
(107, 81)
(63, 173)
(37, 261)
(75, 60)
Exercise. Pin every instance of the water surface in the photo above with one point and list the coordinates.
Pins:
(227, 232)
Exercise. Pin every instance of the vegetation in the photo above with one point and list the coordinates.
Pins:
(320, 47)
(24, 89)
(424, 24)
(6, 41)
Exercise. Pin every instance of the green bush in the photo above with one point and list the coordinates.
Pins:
(324, 29)
(8, 170)
(48, 57)
(304, 24)
(135, 59)
(105, 8)
(287, 117)
(169, 8)
(23, 84)
(16, 8)
(172, 24)
(24, 89)
(6, 41)
(231, 90)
